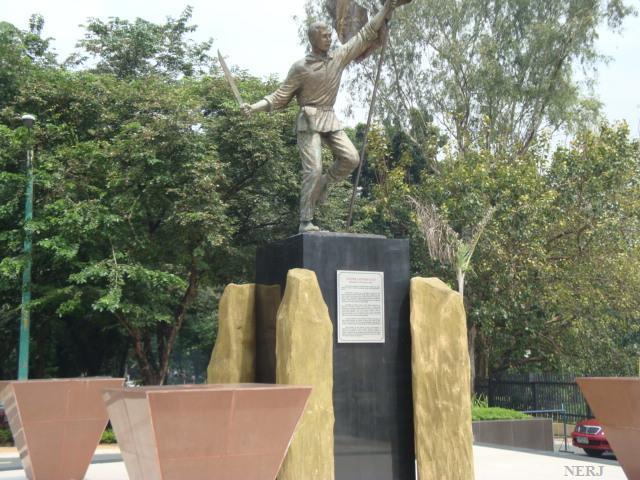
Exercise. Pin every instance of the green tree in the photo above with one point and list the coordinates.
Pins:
(23, 55)
(20, 52)
(151, 191)
(492, 73)
(128, 49)
(261, 164)
(127, 206)
(594, 249)
(551, 285)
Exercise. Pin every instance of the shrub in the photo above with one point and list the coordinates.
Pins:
(496, 413)
(108, 436)
(5, 437)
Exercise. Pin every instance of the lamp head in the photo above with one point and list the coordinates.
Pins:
(28, 121)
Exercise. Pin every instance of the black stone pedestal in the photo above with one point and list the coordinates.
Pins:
(372, 381)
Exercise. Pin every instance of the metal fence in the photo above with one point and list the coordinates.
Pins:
(535, 392)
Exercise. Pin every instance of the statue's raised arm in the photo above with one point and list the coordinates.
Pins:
(314, 81)
(355, 47)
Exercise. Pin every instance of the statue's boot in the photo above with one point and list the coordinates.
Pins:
(307, 227)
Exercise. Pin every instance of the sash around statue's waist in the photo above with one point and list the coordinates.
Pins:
(317, 118)
(320, 108)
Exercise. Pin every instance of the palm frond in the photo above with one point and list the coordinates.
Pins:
(442, 241)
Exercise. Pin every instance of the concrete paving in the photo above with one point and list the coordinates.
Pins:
(9, 459)
(97, 471)
(490, 464)
(501, 464)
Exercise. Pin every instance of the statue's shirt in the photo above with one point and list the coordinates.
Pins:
(315, 81)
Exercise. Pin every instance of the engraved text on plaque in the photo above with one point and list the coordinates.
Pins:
(360, 307)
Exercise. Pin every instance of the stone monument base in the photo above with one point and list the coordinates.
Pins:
(372, 391)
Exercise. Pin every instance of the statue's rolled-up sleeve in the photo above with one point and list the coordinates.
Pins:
(285, 92)
(358, 44)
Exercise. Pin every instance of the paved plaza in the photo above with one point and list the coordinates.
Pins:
(502, 464)
(490, 464)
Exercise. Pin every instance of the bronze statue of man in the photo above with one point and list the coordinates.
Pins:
(315, 81)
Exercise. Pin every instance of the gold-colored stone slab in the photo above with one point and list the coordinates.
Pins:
(56, 424)
(616, 404)
(441, 390)
(304, 355)
(205, 432)
(234, 355)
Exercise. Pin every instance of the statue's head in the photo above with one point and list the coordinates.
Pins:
(319, 34)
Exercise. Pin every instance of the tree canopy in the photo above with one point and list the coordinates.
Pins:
(492, 73)
(153, 192)
(151, 188)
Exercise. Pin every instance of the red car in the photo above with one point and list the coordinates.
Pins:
(589, 435)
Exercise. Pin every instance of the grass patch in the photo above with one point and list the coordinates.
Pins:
(496, 413)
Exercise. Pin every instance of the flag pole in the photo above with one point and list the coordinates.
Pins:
(374, 95)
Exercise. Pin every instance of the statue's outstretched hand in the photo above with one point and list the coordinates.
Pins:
(246, 109)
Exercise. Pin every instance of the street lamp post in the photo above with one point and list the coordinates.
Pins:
(25, 320)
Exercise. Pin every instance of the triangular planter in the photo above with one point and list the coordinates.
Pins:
(56, 424)
(616, 405)
(212, 432)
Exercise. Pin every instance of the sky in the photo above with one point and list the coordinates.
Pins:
(262, 37)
